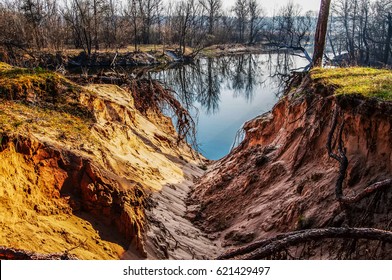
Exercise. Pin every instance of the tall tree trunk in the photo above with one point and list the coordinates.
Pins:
(96, 44)
(352, 40)
(388, 39)
(321, 32)
(364, 38)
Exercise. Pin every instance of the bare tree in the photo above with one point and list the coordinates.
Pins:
(96, 11)
(388, 38)
(167, 30)
(53, 26)
(187, 19)
(34, 11)
(256, 17)
(110, 26)
(79, 14)
(13, 35)
(241, 12)
(213, 10)
(149, 11)
(225, 30)
(132, 14)
(344, 10)
(363, 30)
(183, 19)
(291, 30)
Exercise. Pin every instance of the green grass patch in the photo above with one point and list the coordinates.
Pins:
(42, 88)
(368, 82)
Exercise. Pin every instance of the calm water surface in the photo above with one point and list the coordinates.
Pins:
(223, 93)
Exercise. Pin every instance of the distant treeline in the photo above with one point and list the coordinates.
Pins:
(360, 30)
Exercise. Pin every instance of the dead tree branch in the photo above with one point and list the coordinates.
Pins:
(266, 248)
(253, 246)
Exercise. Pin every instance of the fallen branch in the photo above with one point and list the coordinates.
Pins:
(267, 248)
(114, 60)
(253, 246)
(297, 48)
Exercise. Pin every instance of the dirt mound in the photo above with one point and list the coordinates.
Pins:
(282, 179)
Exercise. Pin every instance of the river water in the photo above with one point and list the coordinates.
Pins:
(223, 93)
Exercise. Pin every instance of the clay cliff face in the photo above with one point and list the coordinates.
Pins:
(281, 178)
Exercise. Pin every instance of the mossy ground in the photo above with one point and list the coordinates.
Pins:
(368, 82)
(37, 101)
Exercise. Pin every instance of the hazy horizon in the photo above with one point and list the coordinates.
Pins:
(270, 6)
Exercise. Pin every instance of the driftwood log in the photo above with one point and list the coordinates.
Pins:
(268, 247)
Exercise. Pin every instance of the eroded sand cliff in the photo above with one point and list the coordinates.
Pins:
(84, 172)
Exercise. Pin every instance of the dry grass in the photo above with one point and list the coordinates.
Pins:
(21, 119)
(42, 102)
(41, 88)
(368, 82)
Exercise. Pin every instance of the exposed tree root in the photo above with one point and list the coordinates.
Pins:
(251, 247)
(341, 157)
(367, 192)
(152, 95)
(343, 162)
(16, 254)
(268, 247)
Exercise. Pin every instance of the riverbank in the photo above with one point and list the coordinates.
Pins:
(144, 55)
(233, 49)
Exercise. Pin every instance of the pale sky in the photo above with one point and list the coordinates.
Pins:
(271, 5)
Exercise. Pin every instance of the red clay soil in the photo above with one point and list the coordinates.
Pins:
(281, 179)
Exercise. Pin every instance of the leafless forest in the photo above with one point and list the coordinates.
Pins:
(360, 31)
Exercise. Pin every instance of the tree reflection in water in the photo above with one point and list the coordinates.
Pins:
(227, 91)
(204, 80)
